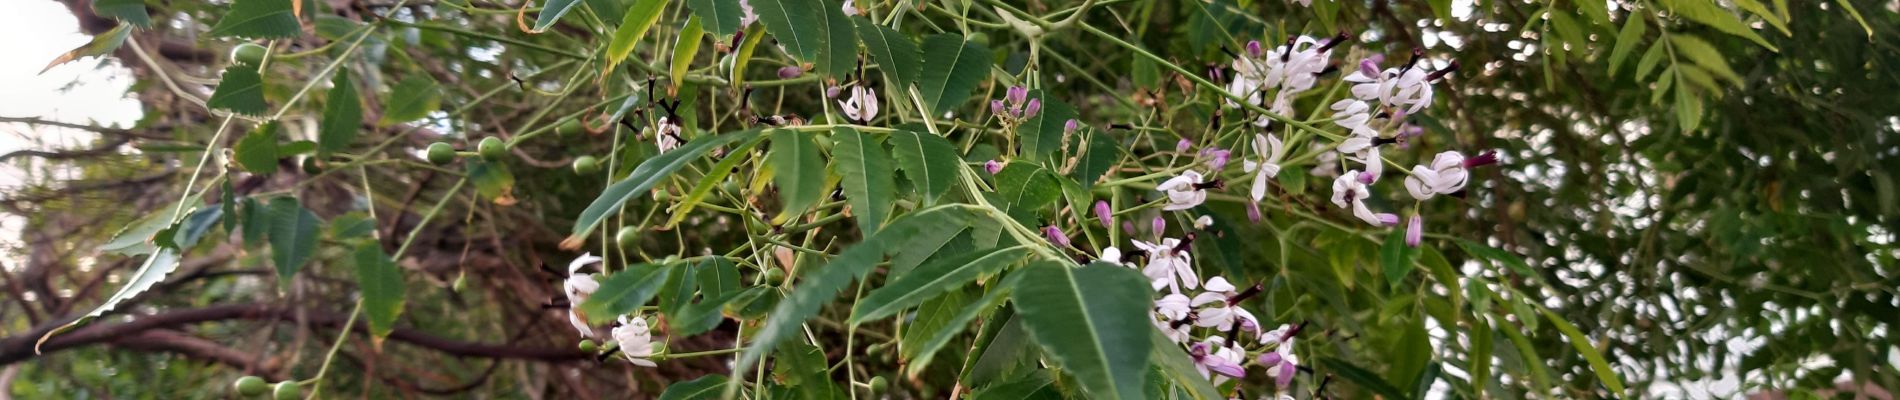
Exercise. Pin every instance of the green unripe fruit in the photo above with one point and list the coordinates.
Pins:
(491, 148)
(441, 153)
(879, 384)
(662, 195)
(251, 385)
(730, 186)
(774, 276)
(627, 237)
(286, 390)
(569, 127)
(247, 54)
(586, 165)
(980, 38)
(311, 166)
(587, 345)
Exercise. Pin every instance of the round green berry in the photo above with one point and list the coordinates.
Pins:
(588, 346)
(491, 148)
(627, 237)
(586, 165)
(286, 390)
(569, 127)
(879, 384)
(774, 276)
(251, 385)
(441, 153)
(247, 54)
(311, 166)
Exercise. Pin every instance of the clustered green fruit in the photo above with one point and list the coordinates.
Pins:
(441, 153)
(248, 54)
(879, 384)
(286, 390)
(569, 127)
(774, 276)
(627, 237)
(586, 165)
(251, 385)
(491, 148)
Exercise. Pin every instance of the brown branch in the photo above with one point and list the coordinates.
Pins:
(191, 346)
(108, 131)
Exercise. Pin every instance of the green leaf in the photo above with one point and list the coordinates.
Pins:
(1649, 61)
(1540, 377)
(1043, 134)
(706, 387)
(721, 16)
(257, 151)
(1605, 373)
(1365, 379)
(293, 148)
(803, 366)
(624, 292)
(798, 170)
(644, 176)
(551, 11)
(938, 315)
(1854, 12)
(240, 91)
(931, 279)
(684, 49)
(796, 24)
(714, 177)
(1094, 160)
(867, 182)
(743, 57)
(342, 115)
(254, 219)
(1626, 40)
(293, 236)
(819, 286)
(138, 238)
(1033, 386)
(896, 54)
(1177, 367)
(1441, 270)
(839, 57)
(162, 261)
(918, 354)
(928, 160)
(1762, 11)
(1093, 321)
(1479, 358)
(1409, 354)
(1500, 256)
(1597, 11)
(381, 282)
(1396, 258)
(1704, 55)
(716, 281)
(1688, 109)
(131, 11)
(952, 68)
(413, 98)
(1708, 13)
(633, 27)
(493, 180)
(100, 45)
(258, 19)
(1023, 189)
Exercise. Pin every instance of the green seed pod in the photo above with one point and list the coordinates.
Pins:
(586, 165)
(879, 384)
(441, 153)
(247, 54)
(627, 237)
(251, 386)
(587, 345)
(774, 276)
(491, 148)
(569, 127)
(286, 390)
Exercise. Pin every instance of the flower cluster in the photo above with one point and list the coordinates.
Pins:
(1016, 106)
(630, 332)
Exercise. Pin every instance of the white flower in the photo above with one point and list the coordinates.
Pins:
(850, 8)
(1184, 191)
(1174, 331)
(1173, 306)
(1355, 115)
(1202, 222)
(1269, 149)
(748, 17)
(1363, 146)
(667, 137)
(636, 340)
(1113, 255)
(1350, 192)
(1445, 175)
(1216, 360)
(1221, 314)
(1304, 62)
(862, 106)
(1165, 264)
(1325, 165)
(1408, 88)
(577, 287)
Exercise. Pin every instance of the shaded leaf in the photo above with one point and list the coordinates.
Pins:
(928, 160)
(714, 177)
(100, 45)
(241, 90)
(896, 54)
(1605, 373)
(706, 387)
(1360, 376)
(625, 291)
(918, 354)
(720, 16)
(1714, 16)
(1626, 40)
(131, 11)
(796, 24)
(644, 176)
(931, 279)
(1396, 258)
(1093, 321)
(342, 115)
(867, 180)
(798, 170)
(293, 236)
(257, 151)
(684, 49)
(381, 282)
(952, 68)
(551, 12)
(258, 19)
(1704, 55)
(413, 98)
(1043, 134)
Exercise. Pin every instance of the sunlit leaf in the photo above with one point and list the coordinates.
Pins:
(798, 170)
(633, 27)
(1093, 321)
(258, 19)
(932, 279)
(101, 45)
(867, 177)
(684, 50)
(241, 91)
(1714, 16)
(381, 282)
(411, 99)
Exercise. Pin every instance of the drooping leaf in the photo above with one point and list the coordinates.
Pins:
(1605, 373)
(633, 27)
(721, 16)
(867, 180)
(839, 56)
(1043, 134)
(644, 176)
(684, 49)
(937, 314)
(1705, 55)
(258, 19)
(896, 54)
(796, 24)
(919, 353)
(257, 151)
(1714, 16)
(1755, 7)
(952, 68)
(100, 45)
(411, 99)
(241, 90)
(625, 291)
(798, 170)
(130, 11)
(381, 282)
(706, 387)
(714, 177)
(928, 160)
(1626, 40)
(551, 12)
(1396, 259)
(931, 279)
(1648, 63)
(743, 57)
(342, 115)
(1093, 321)
(293, 236)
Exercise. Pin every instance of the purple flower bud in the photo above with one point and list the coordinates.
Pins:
(1217, 157)
(1160, 225)
(1370, 66)
(832, 92)
(1056, 236)
(1035, 105)
(1224, 368)
(1017, 94)
(1287, 370)
(1486, 158)
(1183, 145)
(1104, 213)
(1253, 48)
(1128, 227)
(1414, 230)
(1253, 212)
(996, 107)
(790, 72)
(1368, 178)
(993, 167)
(1398, 115)
(1388, 219)
(1269, 359)
(1071, 126)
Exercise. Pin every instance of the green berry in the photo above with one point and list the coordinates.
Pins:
(627, 237)
(730, 186)
(286, 390)
(311, 166)
(251, 385)
(586, 165)
(879, 384)
(587, 345)
(491, 148)
(441, 153)
(774, 276)
(569, 127)
(247, 54)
